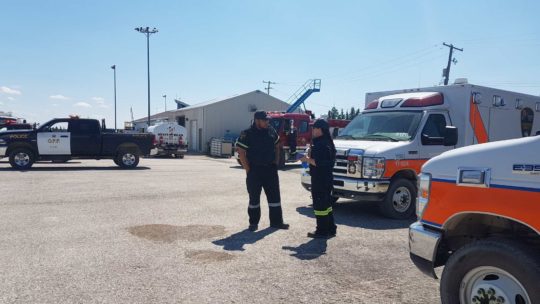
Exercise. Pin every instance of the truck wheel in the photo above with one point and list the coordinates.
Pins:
(400, 200)
(180, 155)
(21, 159)
(491, 271)
(128, 160)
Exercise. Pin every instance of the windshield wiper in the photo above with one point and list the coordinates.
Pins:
(379, 136)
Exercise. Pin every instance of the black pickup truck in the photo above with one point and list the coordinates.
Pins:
(60, 140)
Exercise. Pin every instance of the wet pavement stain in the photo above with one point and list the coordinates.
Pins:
(170, 233)
(209, 256)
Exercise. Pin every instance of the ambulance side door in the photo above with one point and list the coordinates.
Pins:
(54, 139)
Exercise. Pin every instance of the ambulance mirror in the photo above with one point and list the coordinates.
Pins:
(451, 136)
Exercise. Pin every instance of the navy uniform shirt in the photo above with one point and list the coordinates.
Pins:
(259, 145)
(324, 156)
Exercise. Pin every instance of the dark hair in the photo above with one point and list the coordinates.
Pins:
(328, 137)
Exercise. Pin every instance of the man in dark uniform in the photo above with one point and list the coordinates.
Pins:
(259, 154)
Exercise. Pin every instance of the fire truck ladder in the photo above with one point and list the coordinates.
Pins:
(299, 97)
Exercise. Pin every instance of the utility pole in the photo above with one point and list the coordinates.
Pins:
(114, 69)
(165, 97)
(147, 32)
(268, 87)
(446, 72)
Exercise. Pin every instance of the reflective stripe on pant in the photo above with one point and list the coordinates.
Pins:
(264, 177)
(322, 208)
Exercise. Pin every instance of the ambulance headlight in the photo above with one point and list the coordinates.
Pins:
(373, 167)
(424, 188)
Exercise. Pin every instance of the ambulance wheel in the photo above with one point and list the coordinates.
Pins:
(491, 271)
(21, 158)
(128, 160)
(400, 200)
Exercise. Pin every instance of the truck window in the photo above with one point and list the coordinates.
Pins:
(435, 126)
(61, 126)
(527, 118)
(84, 127)
(303, 126)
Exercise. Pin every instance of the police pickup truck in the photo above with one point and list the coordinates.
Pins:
(62, 139)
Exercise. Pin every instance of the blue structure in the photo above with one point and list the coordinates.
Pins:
(299, 97)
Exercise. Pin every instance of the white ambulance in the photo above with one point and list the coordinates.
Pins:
(380, 153)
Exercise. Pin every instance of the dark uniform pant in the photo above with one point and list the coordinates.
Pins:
(264, 177)
(323, 211)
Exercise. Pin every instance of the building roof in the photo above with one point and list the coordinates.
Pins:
(163, 115)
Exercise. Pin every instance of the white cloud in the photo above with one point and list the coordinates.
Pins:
(9, 91)
(82, 105)
(11, 98)
(1, 103)
(103, 106)
(59, 97)
(98, 99)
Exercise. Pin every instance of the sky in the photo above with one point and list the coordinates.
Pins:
(56, 56)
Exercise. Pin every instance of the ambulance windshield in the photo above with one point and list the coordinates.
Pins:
(383, 126)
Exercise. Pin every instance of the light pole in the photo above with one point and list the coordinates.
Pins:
(114, 69)
(147, 32)
(165, 97)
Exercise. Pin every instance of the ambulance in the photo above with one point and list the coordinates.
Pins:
(380, 152)
(479, 216)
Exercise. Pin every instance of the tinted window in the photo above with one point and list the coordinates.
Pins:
(435, 126)
(527, 118)
(303, 127)
(84, 127)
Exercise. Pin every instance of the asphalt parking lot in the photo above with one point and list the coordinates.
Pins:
(174, 231)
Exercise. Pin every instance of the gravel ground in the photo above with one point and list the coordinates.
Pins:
(174, 231)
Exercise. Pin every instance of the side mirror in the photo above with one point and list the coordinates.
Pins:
(451, 136)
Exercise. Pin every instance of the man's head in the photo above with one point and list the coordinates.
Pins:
(261, 119)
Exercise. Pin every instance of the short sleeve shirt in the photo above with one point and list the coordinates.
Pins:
(259, 145)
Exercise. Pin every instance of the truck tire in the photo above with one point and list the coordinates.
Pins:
(128, 159)
(498, 270)
(21, 158)
(400, 200)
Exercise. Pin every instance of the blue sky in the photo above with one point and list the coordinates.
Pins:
(56, 55)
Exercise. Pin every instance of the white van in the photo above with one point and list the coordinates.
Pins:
(380, 153)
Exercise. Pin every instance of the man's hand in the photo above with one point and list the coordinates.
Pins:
(243, 159)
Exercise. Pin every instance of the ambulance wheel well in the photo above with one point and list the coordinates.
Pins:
(405, 174)
(465, 228)
(20, 145)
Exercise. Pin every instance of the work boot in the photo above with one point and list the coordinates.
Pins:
(280, 226)
(318, 235)
(253, 228)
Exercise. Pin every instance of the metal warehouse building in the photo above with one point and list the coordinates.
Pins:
(216, 118)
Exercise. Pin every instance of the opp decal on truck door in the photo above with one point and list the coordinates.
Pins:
(54, 143)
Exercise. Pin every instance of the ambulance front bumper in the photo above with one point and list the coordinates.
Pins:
(353, 188)
(423, 244)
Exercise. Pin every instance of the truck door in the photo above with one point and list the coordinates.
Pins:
(432, 135)
(54, 139)
(85, 137)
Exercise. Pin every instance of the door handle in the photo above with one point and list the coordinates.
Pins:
(64, 136)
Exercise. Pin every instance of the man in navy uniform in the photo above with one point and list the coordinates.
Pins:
(258, 149)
